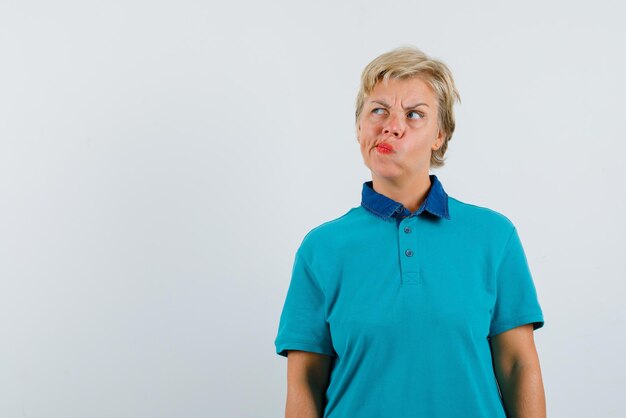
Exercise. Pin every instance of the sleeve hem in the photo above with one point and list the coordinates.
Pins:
(283, 347)
(536, 319)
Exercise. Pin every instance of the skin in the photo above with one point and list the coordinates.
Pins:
(414, 133)
(403, 176)
(307, 379)
(517, 369)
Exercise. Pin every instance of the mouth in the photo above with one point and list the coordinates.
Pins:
(384, 148)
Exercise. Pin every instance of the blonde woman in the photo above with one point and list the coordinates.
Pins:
(413, 304)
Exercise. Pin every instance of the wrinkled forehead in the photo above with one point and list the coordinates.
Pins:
(402, 89)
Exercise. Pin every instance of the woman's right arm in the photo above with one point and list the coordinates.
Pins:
(307, 379)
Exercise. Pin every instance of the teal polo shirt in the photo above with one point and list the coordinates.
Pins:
(405, 304)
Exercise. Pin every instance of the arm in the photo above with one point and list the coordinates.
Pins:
(307, 377)
(517, 369)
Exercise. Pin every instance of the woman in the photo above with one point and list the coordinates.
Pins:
(413, 304)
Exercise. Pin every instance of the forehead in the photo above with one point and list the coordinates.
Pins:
(414, 88)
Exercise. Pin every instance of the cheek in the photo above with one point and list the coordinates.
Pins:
(370, 130)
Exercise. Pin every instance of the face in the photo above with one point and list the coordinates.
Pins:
(398, 129)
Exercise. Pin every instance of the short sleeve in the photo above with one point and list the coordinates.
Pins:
(516, 297)
(303, 324)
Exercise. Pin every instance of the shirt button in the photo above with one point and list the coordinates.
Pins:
(407, 229)
(408, 253)
(399, 209)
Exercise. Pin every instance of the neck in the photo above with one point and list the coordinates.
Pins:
(411, 193)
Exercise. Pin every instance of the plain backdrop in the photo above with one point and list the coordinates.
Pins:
(161, 161)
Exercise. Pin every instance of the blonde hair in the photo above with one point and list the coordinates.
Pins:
(407, 62)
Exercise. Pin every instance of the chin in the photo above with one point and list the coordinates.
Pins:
(385, 174)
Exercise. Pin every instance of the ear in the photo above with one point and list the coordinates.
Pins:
(439, 140)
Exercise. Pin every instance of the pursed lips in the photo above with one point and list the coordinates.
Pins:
(385, 145)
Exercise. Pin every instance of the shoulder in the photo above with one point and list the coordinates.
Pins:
(330, 228)
(489, 221)
(326, 235)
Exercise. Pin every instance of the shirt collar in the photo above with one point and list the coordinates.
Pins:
(436, 202)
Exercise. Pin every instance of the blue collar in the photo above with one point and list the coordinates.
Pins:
(436, 202)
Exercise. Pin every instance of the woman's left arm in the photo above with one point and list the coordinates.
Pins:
(517, 369)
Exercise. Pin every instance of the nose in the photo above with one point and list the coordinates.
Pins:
(394, 125)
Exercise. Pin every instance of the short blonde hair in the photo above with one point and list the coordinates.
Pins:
(406, 62)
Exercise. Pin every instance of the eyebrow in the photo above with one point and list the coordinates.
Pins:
(380, 102)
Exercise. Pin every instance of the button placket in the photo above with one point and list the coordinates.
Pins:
(408, 258)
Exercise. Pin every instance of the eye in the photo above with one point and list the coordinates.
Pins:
(375, 111)
(415, 115)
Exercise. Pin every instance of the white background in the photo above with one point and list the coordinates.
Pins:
(160, 162)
